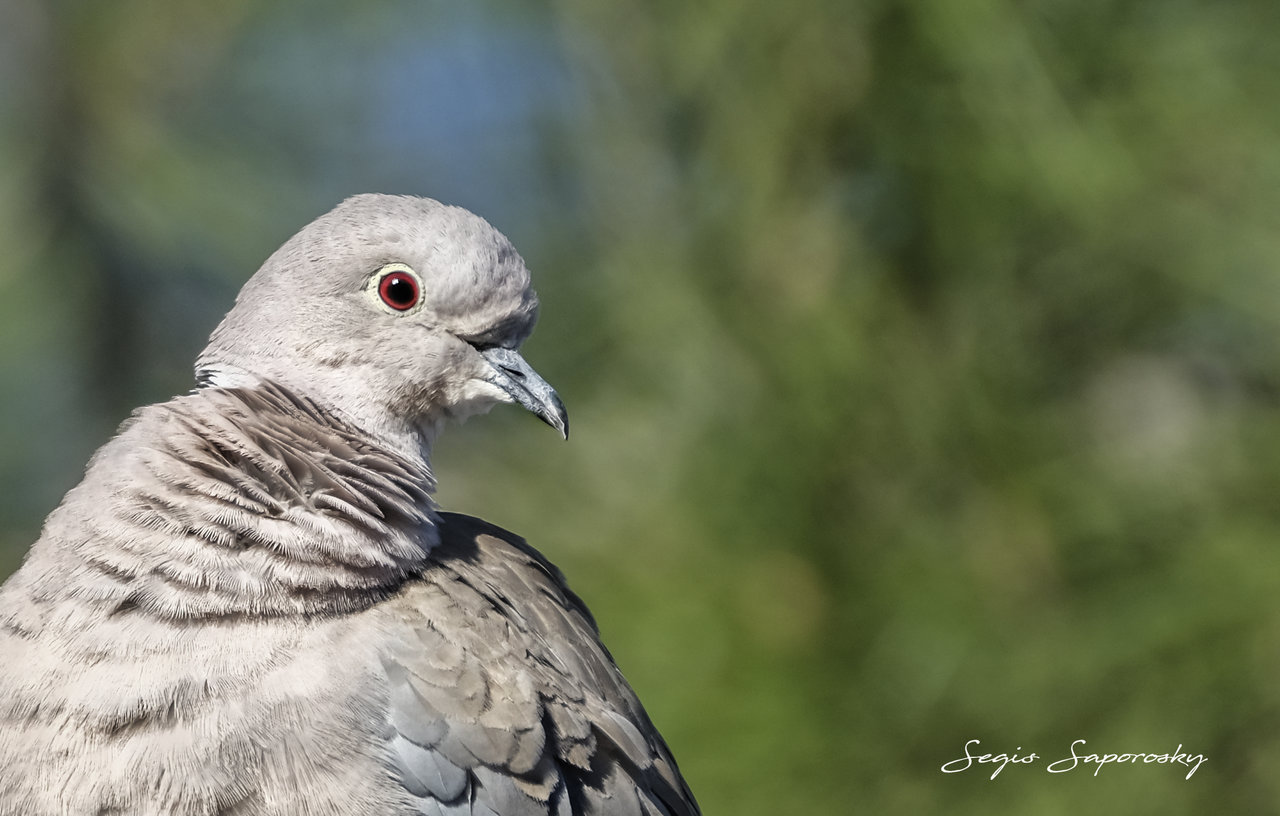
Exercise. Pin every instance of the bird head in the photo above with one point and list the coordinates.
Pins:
(400, 313)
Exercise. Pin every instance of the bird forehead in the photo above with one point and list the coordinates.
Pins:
(463, 260)
(472, 275)
(476, 279)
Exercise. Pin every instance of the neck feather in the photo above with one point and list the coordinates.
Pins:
(249, 500)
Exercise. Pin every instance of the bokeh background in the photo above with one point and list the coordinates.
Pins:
(923, 357)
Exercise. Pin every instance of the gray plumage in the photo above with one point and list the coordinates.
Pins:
(251, 606)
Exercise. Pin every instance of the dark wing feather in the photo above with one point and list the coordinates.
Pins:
(502, 698)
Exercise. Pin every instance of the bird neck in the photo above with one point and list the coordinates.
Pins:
(360, 409)
(241, 501)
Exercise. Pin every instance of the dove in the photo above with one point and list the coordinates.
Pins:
(251, 604)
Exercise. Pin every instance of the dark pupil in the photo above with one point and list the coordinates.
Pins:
(399, 290)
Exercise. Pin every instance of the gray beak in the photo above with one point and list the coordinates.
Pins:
(513, 375)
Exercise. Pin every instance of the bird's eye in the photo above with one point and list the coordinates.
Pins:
(399, 289)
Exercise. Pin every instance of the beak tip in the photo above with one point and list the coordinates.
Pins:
(558, 420)
(557, 417)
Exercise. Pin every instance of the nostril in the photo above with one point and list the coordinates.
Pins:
(514, 372)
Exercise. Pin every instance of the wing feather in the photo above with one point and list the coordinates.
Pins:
(500, 689)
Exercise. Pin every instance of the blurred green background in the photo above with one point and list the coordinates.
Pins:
(923, 357)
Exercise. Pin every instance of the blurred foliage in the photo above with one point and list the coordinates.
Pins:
(922, 356)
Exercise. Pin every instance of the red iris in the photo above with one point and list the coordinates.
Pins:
(399, 290)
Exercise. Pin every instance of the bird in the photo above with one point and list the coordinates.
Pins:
(251, 604)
